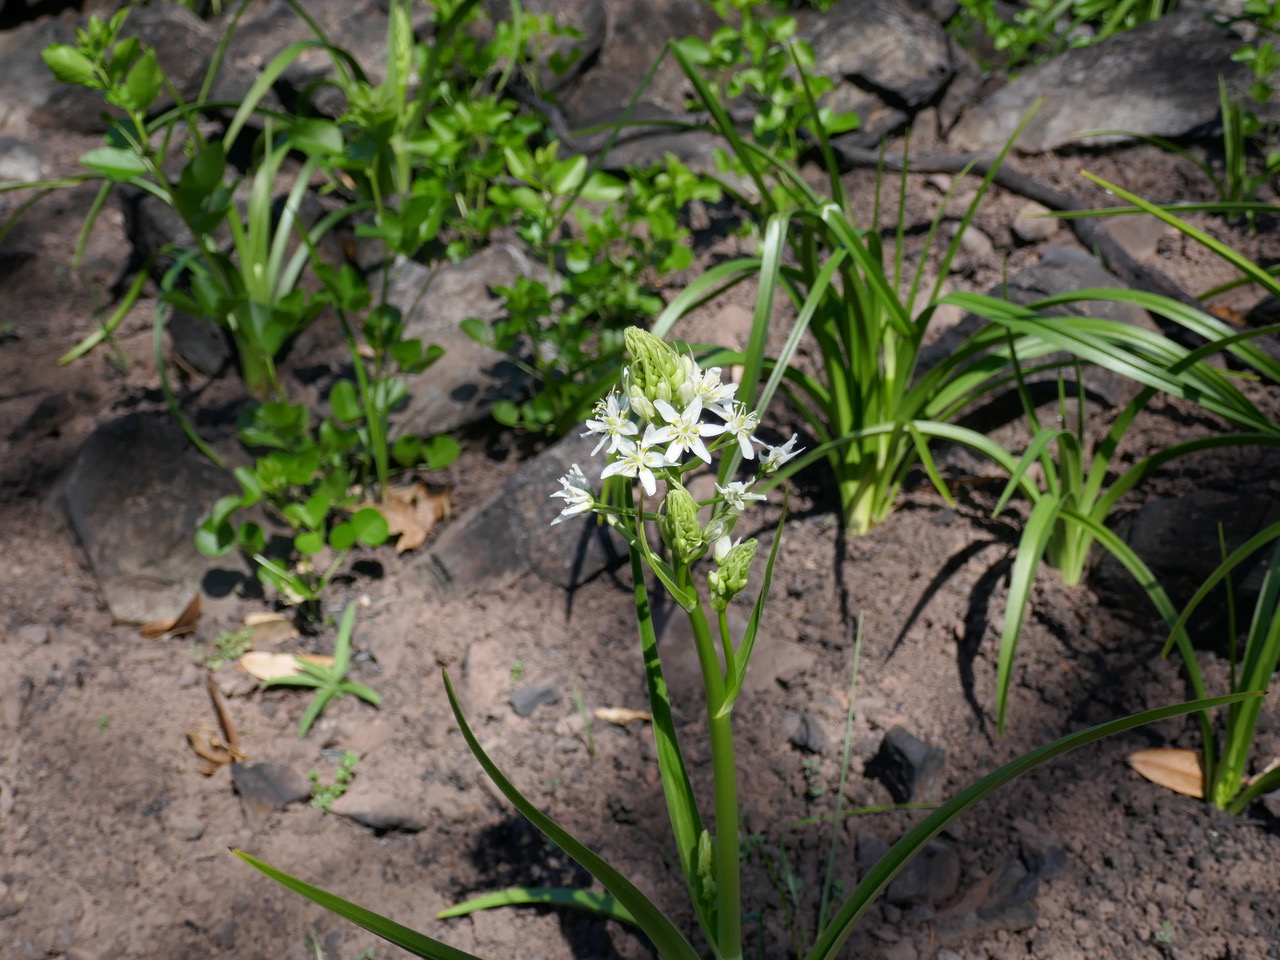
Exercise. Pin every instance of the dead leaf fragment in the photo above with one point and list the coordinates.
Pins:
(412, 512)
(1178, 770)
(184, 623)
(621, 716)
(211, 749)
(265, 665)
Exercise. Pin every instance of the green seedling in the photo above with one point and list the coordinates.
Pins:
(227, 646)
(103, 722)
(1225, 760)
(329, 682)
(324, 794)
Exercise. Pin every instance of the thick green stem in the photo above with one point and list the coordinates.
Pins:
(728, 944)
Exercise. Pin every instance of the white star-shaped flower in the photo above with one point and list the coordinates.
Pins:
(775, 457)
(576, 493)
(612, 422)
(639, 460)
(741, 425)
(715, 396)
(736, 494)
(684, 431)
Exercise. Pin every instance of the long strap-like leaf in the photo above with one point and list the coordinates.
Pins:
(669, 941)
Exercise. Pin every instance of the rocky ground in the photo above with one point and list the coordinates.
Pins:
(114, 839)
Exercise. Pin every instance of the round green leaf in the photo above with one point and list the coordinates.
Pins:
(370, 527)
(309, 543)
(407, 451)
(441, 451)
(342, 537)
(251, 538)
(344, 403)
(506, 413)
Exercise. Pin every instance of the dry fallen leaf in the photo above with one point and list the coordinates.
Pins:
(412, 511)
(269, 666)
(621, 716)
(184, 623)
(1179, 770)
(212, 749)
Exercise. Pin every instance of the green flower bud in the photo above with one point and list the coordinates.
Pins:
(656, 372)
(730, 578)
(706, 867)
(681, 531)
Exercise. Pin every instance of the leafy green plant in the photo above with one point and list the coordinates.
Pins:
(656, 431)
(252, 292)
(565, 331)
(306, 479)
(1071, 504)
(1224, 764)
(1039, 29)
(329, 682)
(324, 794)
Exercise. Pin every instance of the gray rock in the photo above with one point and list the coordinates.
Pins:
(377, 809)
(636, 36)
(1031, 225)
(463, 385)
(266, 787)
(511, 533)
(870, 851)
(203, 344)
(1159, 532)
(533, 695)
(133, 496)
(930, 878)
(1008, 905)
(808, 735)
(20, 161)
(884, 47)
(911, 769)
(1158, 79)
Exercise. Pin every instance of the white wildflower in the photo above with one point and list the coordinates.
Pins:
(741, 425)
(638, 459)
(684, 431)
(576, 493)
(736, 494)
(775, 457)
(716, 396)
(612, 422)
(720, 549)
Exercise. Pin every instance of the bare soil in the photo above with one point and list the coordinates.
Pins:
(114, 846)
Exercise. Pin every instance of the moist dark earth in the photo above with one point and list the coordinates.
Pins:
(114, 844)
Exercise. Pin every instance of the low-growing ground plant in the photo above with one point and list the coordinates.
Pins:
(668, 420)
(329, 682)
(1036, 30)
(323, 795)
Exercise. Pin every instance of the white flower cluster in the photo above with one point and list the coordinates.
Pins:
(650, 426)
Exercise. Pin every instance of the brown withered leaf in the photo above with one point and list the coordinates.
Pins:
(270, 629)
(184, 623)
(265, 665)
(212, 750)
(412, 511)
(1178, 770)
(621, 716)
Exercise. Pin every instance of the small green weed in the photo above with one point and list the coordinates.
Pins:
(517, 672)
(328, 682)
(227, 646)
(103, 722)
(814, 779)
(324, 794)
